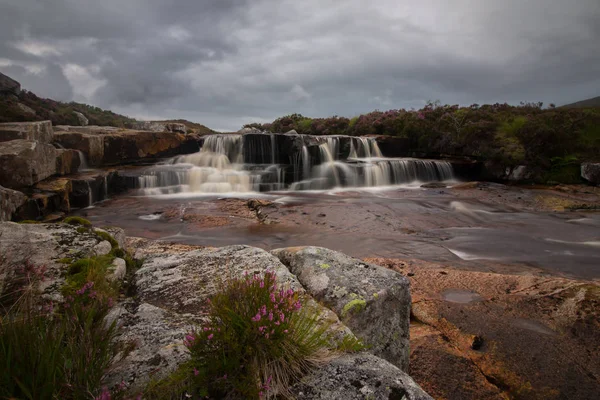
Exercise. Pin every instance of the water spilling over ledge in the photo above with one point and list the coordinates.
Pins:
(244, 163)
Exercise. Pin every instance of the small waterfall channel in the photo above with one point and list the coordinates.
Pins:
(245, 163)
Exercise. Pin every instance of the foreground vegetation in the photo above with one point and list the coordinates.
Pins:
(258, 339)
(549, 140)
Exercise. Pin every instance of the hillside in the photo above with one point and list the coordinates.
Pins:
(18, 105)
(593, 102)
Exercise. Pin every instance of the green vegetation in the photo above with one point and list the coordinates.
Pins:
(258, 340)
(58, 112)
(353, 307)
(506, 135)
(49, 352)
(77, 221)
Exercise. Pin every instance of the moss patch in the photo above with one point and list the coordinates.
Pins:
(325, 266)
(354, 307)
(108, 237)
(77, 221)
(92, 269)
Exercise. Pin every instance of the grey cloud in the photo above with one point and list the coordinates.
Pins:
(227, 62)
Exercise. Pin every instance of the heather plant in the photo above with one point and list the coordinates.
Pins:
(258, 339)
(53, 351)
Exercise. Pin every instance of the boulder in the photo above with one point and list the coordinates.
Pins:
(67, 161)
(91, 145)
(43, 245)
(160, 126)
(10, 201)
(40, 131)
(518, 173)
(118, 270)
(25, 162)
(172, 286)
(25, 109)
(9, 85)
(591, 172)
(374, 302)
(359, 376)
(83, 121)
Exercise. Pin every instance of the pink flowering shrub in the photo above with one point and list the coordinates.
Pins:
(258, 339)
(50, 350)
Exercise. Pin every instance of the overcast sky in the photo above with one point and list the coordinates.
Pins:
(224, 63)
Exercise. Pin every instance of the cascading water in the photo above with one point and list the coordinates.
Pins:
(83, 164)
(248, 163)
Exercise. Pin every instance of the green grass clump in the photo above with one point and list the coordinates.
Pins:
(49, 352)
(92, 269)
(77, 221)
(257, 341)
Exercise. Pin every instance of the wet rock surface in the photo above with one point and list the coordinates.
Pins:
(522, 336)
(372, 301)
(591, 172)
(359, 376)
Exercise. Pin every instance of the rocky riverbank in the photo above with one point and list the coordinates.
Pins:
(165, 297)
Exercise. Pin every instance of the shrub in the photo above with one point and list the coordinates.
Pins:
(258, 339)
(48, 353)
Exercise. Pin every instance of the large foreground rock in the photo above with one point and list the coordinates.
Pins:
(40, 131)
(374, 302)
(10, 201)
(591, 172)
(24, 163)
(359, 376)
(171, 289)
(43, 245)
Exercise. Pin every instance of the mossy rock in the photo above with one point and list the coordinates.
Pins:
(77, 221)
(354, 307)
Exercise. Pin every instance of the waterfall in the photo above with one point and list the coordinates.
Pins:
(105, 187)
(83, 164)
(248, 163)
(90, 194)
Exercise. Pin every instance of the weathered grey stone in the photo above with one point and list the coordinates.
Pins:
(374, 302)
(42, 245)
(9, 85)
(519, 173)
(40, 131)
(359, 376)
(155, 126)
(118, 270)
(67, 161)
(591, 172)
(117, 233)
(102, 248)
(24, 163)
(172, 286)
(83, 121)
(10, 201)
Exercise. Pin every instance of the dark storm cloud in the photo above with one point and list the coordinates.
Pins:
(228, 62)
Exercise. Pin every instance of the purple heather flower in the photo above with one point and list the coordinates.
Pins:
(210, 336)
(256, 318)
(196, 372)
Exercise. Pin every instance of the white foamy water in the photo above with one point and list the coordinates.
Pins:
(247, 164)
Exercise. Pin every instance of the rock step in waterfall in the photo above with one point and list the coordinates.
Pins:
(256, 163)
